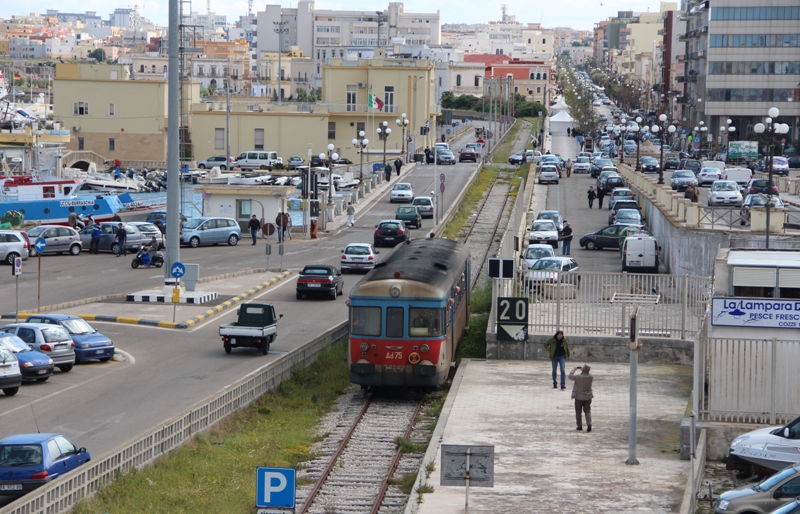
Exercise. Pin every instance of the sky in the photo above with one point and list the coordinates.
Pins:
(578, 14)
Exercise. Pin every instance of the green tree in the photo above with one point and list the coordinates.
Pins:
(98, 55)
(302, 94)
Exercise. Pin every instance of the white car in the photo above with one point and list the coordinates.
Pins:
(358, 256)
(772, 448)
(708, 176)
(780, 165)
(424, 205)
(725, 192)
(535, 252)
(548, 174)
(401, 192)
(543, 232)
(582, 165)
(10, 376)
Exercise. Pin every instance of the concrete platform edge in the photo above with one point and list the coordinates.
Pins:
(436, 438)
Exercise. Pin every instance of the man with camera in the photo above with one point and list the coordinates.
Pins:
(582, 394)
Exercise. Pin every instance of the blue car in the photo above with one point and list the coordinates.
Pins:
(28, 461)
(33, 365)
(89, 343)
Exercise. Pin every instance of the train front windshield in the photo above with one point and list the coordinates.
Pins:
(365, 321)
(421, 322)
(425, 322)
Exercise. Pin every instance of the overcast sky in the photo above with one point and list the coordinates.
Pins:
(578, 14)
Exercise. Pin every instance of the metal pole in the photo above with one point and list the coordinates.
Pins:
(633, 345)
(466, 476)
(16, 318)
(39, 286)
(684, 301)
(173, 149)
(228, 124)
(693, 447)
(769, 183)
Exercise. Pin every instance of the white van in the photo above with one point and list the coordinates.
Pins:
(739, 175)
(640, 253)
(714, 164)
(258, 159)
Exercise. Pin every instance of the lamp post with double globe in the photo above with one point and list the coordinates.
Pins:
(622, 130)
(773, 128)
(383, 133)
(402, 122)
(727, 131)
(360, 144)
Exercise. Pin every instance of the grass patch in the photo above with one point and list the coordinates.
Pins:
(506, 148)
(407, 446)
(405, 483)
(473, 344)
(471, 200)
(215, 472)
(481, 299)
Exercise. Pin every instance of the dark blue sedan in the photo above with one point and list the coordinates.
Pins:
(28, 461)
(89, 343)
(33, 365)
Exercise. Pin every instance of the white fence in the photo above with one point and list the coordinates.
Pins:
(748, 381)
(63, 493)
(591, 303)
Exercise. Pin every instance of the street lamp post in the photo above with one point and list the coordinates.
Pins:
(383, 133)
(638, 141)
(403, 124)
(773, 128)
(280, 30)
(622, 130)
(361, 144)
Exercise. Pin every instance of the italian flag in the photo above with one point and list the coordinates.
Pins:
(375, 102)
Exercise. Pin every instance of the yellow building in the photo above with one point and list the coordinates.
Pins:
(4, 46)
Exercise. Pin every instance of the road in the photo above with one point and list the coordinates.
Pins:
(104, 405)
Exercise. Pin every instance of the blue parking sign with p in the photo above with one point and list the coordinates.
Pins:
(275, 487)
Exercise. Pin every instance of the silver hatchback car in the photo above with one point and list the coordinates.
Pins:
(210, 231)
(51, 340)
(12, 245)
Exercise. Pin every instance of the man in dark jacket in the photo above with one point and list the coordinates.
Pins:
(254, 225)
(566, 241)
(558, 349)
(601, 193)
(591, 195)
(122, 238)
(398, 163)
(582, 394)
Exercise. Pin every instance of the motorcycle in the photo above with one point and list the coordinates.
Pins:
(142, 258)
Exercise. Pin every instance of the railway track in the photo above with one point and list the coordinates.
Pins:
(358, 457)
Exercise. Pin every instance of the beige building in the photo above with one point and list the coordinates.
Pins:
(296, 71)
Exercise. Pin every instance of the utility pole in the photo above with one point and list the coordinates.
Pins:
(279, 29)
(173, 143)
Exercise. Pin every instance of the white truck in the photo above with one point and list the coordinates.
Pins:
(256, 327)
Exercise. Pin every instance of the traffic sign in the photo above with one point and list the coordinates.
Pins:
(441, 177)
(17, 269)
(275, 487)
(512, 319)
(40, 245)
(441, 187)
(178, 270)
(448, 131)
(489, 135)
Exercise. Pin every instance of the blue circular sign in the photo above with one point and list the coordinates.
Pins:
(178, 270)
(448, 131)
(40, 244)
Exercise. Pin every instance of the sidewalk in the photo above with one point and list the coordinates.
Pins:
(541, 463)
(232, 288)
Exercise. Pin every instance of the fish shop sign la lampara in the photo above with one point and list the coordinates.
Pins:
(755, 312)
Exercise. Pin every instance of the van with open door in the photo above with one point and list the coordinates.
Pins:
(640, 253)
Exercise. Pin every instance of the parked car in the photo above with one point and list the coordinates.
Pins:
(28, 461)
(620, 193)
(612, 183)
(10, 376)
(401, 192)
(681, 180)
(108, 239)
(53, 341)
(708, 176)
(793, 507)
(757, 201)
(258, 159)
(58, 239)
(33, 365)
(358, 256)
(582, 165)
(626, 217)
(553, 216)
(12, 245)
(425, 206)
(603, 176)
(534, 156)
(161, 216)
(409, 215)
(761, 185)
(342, 161)
(546, 271)
(467, 154)
(295, 162)
(320, 279)
(671, 163)
(618, 205)
(780, 166)
(781, 488)
(445, 156)
(210, 231)
(515, 158)
(89, 343)
(543, 231)
(640, 252)
(535, 252)
(224, 163)
(548, 173)
(724, 192)
(390, 233)
(148, 231)
(607, 237)
(598, 165)
(629, 147)
(794, 162)
(649, 164)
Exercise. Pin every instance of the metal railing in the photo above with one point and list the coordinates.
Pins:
(63, 493)
(748, 381)
(590, 303)
(723, 217)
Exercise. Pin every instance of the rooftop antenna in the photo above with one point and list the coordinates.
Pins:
(34, 419)
(249, 7)
(504, 9)
(208, 7)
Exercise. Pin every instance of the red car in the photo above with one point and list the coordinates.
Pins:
(467, 154)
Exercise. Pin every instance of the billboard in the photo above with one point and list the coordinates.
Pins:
(743, 150)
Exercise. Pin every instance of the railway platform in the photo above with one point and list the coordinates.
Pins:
(542, 464)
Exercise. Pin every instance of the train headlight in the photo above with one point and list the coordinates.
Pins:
(395, 291)
(364, 347)
(424, 348)
(413, 358)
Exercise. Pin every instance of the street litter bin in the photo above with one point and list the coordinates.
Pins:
(191, 276)
(419, 158)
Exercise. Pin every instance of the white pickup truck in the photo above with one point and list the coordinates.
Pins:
(256, 327)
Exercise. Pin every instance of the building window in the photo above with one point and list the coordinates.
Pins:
(477, 80)
(111, 109)
(352, 97)
(153, 68)
(388, 99)
(458, 80)
(165, 68)
(111, 144)
(538, 90)
(544, 76)
(141, 68)
(219, 139)
(80, 144)
(258, 140)
(538, 76)
(531, 77)
(80, 108)
(359, 127)
(244, 209)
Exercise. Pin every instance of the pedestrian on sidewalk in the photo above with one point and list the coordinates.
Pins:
(279, 227)
(601, 193)
(591, 195)
(566, 242)
(569, 131)
(558, 349)
(398, 163)
(568, 165)
(288, 218)
(254, 225)
(351, 215)
(122, 237)
(582, 394)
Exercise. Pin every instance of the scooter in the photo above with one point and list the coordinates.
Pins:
(142, 258)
